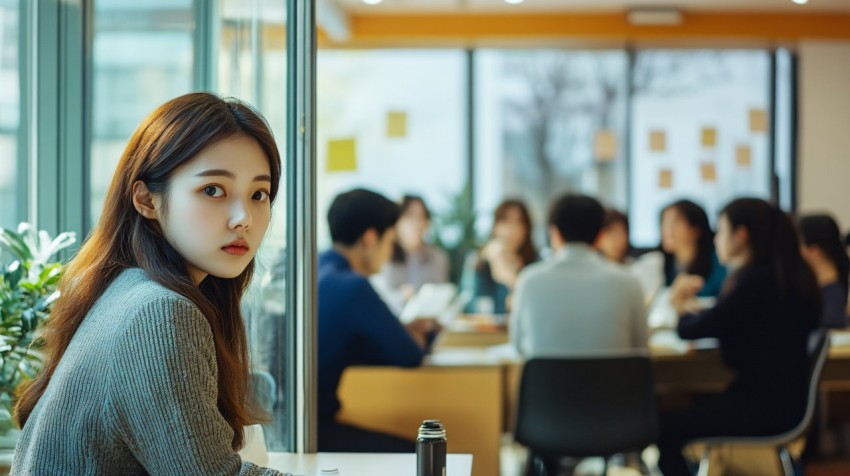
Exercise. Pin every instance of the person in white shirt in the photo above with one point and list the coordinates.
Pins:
(577, 304)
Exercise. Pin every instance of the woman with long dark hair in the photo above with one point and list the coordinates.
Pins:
(825, 253)
(491, 275)
(414, 262)
(687, 242)
(146, 354)
(762, 320)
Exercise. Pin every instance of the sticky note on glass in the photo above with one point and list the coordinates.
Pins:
(342, 155)
(605, 145)
(665, 179)
(743, 156)
(657, 141)
(396, 124)
(708, 172)
(758, 120)
(709, 137)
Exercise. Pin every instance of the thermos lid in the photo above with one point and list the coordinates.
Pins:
(432, 429)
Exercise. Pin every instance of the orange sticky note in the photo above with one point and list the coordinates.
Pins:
(665, 179)
(657, 141)
(708, 171)
(743, 156)
(709, 137)
(605, 145)
(396, 124)
(342, 155)
(758, 120)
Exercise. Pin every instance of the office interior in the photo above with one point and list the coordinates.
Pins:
(464, 103)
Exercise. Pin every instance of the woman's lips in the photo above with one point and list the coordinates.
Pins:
(235, 250)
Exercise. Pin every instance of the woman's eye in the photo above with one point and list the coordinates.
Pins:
(214, 191)
(261, 195)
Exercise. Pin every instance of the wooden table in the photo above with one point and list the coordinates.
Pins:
(356, 464)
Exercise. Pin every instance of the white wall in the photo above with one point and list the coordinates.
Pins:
(824, 115)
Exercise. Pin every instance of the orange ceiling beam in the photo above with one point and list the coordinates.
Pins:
(441, 28)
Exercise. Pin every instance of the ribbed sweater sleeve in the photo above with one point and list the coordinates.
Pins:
(163, 394)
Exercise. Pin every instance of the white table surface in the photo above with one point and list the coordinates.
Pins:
(362, 464)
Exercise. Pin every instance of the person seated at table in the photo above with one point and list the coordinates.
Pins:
(613, 239)
(824, 251)
(687, 248)
(762, 320)
(414, 262)
(578, 303)
(490, 274)
(355, 325)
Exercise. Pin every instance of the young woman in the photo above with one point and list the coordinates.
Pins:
(492, 274)
(414, 262)
(762, 319)
(146, 360)
(825, 253)
(688, 247)
(613, 239)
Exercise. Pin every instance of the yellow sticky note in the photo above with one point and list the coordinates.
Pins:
(342, 155)
(708, 171)
(665, 178)
(396, 124)
(657, 141)
(605, 145)
(743, 156)
(709, 137)
(758, 120)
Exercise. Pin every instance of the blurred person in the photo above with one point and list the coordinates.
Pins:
(762, 320)
(490, 275)
(613, 239)
(823, 250)
(355, 325)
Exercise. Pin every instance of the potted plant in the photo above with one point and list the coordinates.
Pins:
(28, 288)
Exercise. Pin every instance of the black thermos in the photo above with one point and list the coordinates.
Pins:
(431, 449)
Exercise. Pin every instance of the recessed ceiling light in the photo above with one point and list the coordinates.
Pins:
(514, 2)
(800, 2)
(372, 2)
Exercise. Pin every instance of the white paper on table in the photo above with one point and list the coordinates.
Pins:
(437, 300)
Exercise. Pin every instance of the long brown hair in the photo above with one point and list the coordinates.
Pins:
(171, 136)
(527, 251)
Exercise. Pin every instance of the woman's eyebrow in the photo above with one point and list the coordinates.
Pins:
(231, 175)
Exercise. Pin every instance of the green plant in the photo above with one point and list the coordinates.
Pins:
(454, 231)
(28, 288)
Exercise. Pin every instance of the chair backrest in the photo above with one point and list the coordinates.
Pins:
(587, 407)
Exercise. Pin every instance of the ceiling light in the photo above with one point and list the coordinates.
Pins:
(800, 2)
(514, 2)
(372, 2)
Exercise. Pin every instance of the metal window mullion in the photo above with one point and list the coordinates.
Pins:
(300, 164)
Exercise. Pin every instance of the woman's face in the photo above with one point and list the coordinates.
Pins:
(726, 243)
(613, 241)
(676, 232)
(511, 229)
(412, 226)
(218, 208)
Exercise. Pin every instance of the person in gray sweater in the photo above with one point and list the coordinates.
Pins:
(146, 368)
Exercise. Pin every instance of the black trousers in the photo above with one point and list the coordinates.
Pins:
(723, 415)
(336, 437)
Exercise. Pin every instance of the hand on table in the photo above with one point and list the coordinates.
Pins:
(683, 292)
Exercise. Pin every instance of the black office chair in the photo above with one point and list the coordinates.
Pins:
(586, 408)
(818, 349)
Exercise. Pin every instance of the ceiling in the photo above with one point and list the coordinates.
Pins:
(531, 6)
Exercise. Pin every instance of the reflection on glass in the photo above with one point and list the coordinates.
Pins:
(251, 65)
(142, 58)
(10, 107)
(398, 122)
(549, 122)
(698, 131)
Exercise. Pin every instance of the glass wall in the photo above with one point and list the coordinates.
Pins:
(549, 122)
(699, 130)
(143, 56)
(10, 112)
(393, 121)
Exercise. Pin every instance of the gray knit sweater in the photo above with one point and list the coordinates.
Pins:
(134, 393)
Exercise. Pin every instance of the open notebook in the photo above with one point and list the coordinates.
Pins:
(440, 301)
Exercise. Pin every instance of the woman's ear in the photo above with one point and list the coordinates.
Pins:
(143, 201)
